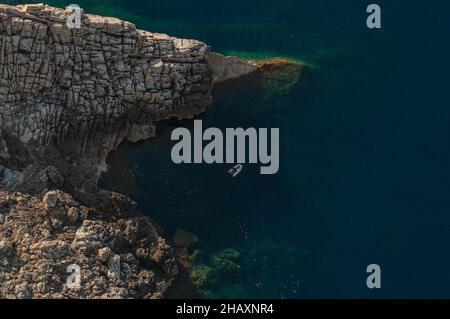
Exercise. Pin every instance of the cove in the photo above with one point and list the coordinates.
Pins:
(364, 163)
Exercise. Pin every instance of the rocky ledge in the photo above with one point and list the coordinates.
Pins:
(68, 96)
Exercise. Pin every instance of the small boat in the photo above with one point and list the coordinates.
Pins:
(236, 170)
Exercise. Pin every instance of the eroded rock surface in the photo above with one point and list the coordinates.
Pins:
(78, 92)
(118, 257)
(67, 98)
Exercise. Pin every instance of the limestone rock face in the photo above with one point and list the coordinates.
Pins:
(227, 68)
(117, 257)
(68, 96)
(79, 92)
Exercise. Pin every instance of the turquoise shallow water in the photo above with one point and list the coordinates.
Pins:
(363, 145)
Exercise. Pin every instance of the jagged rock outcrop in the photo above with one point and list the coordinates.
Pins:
(118, 256)
(67, 98)
(78, 92)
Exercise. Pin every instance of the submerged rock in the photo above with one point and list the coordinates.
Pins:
(226, 261)
(275, 75)
(184, 239)
(202, 275)
(279, 75)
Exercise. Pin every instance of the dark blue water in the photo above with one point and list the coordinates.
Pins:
(364, 174)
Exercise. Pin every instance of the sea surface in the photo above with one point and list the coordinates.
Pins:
(364, 150)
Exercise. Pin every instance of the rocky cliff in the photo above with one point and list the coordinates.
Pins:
(68, 96)
(117, 256)
(78, 92)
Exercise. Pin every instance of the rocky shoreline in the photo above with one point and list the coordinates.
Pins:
(118, 256)
(68, 97)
